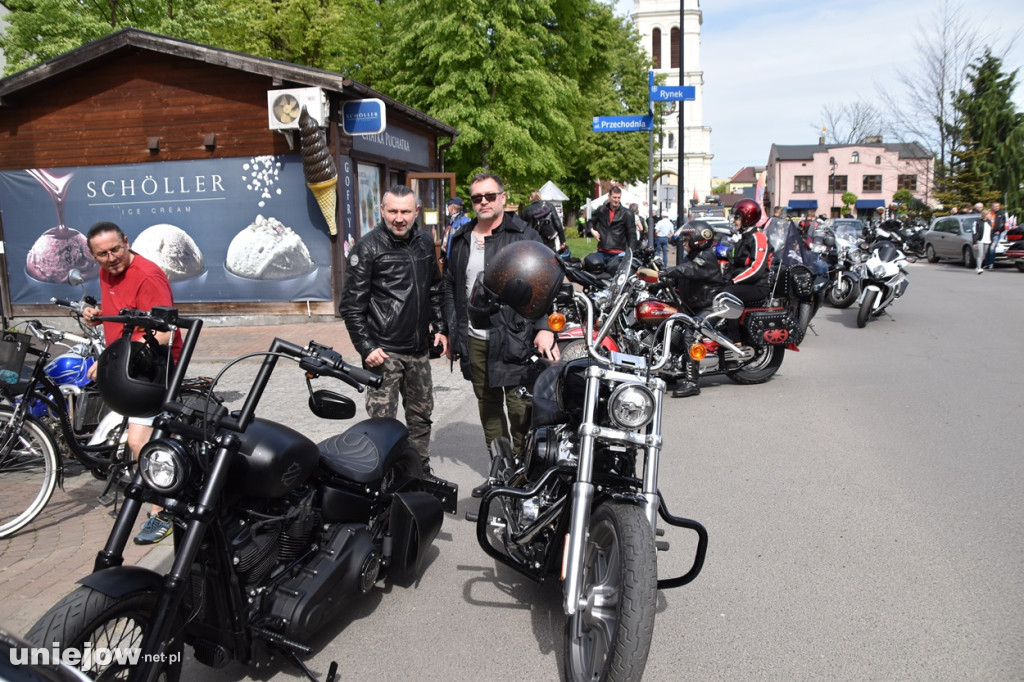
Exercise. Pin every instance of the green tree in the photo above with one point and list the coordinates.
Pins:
(848, 199)
(989, 159)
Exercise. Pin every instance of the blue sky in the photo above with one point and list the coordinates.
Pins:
(769, 68)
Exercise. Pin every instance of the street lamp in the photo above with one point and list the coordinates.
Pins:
(832, 177)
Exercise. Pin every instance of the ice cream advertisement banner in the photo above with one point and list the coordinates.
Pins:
(240, 229)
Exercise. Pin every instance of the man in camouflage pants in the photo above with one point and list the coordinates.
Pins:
(392, 295)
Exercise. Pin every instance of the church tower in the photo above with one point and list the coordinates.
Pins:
(658, 24)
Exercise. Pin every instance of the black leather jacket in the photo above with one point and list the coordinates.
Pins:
(698, 278)
(511, 339)
(393, 292)
(618, 234)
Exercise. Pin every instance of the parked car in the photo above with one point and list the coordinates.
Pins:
(952, 238)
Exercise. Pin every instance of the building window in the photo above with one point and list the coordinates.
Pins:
(656, 47)
(855, 158)
(872, 183)
(832, 160)
(803, 184)
(675, 48)
(671, 141)
(838, 183)
(907, 182)
(878, 160)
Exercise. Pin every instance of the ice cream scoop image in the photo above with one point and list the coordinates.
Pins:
(58, 250)
(172, 249)
(268, 250)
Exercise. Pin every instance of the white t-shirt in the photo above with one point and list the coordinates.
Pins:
(474, 266)
(664, 228)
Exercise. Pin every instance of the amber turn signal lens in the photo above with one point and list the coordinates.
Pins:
(698, 351)
(556, 321)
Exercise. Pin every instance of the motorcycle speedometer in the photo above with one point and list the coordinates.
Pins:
(631, 406)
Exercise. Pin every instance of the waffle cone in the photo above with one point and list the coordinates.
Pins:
(326, 194)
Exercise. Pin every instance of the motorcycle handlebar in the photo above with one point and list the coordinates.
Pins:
(324, 360)
(159, 319)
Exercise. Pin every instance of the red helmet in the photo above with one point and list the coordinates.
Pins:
(748, 211)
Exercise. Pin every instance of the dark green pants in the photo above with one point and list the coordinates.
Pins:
(493, 402)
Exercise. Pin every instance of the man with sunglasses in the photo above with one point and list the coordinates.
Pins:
(128, 280)
(500, 360)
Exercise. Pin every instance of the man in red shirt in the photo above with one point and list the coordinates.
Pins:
(129, 280)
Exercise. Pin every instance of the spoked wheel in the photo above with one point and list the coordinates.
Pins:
(112, 629)
(574, 350)
(842, 294)
(28, 471)
(865, 308)
(762, 368)
(609, 637)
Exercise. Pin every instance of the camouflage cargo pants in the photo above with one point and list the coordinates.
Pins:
(407, 376)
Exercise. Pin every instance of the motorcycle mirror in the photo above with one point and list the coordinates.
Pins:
(330, 405)
(75, 277)
(648, 275)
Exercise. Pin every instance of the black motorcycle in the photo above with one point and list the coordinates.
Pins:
(581, 503)
(275, 535)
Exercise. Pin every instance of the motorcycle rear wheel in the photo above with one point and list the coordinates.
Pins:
(765, 365)
(109, 623)
(865, 308)
(609, 637)
(29, 467)
(843, 296)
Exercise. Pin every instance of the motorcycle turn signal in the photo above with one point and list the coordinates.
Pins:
(556, 322)
(698, 351)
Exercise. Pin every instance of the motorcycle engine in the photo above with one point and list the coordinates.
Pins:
(266, 537)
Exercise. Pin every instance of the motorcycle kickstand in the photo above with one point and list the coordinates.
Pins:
(332, 671)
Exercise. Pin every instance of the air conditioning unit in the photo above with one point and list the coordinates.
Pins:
(284, 107)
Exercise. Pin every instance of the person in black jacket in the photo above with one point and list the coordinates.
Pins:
(752, 257)
(614, 226)
(543, 217)
(393, 293)
(498, 361)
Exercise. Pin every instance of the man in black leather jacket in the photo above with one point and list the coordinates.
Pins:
(497, 361)
(393, 293)
(614, 226)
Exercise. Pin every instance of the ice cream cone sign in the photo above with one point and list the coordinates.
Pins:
(319, 169)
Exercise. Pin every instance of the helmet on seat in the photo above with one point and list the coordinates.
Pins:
(525, 275)
(747, 211)
(701, 236)
(132, 377)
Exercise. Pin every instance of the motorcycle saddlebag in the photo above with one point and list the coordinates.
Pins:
(772, 326)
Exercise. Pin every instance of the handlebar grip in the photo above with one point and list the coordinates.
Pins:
(63, 302)
(363, 376)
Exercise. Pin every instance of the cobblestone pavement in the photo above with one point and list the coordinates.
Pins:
(41, 563)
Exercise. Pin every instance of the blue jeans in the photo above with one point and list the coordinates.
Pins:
(990, 254)
(661, 247)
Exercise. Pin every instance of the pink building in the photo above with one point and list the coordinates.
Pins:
(813, 178)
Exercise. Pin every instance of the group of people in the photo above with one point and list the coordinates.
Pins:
(988, 230)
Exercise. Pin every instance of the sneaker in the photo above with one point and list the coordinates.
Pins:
(978, 271)
(155, 529)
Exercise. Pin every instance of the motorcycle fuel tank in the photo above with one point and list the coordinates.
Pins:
(653, 313)
(273, 461)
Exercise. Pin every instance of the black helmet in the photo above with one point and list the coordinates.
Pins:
(132, 377)
(701, 236)
(525, 275)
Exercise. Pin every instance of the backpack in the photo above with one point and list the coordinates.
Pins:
(545, 221)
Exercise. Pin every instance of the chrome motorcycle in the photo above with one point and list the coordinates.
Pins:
(581, 504)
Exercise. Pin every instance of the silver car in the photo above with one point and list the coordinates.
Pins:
(952, 238)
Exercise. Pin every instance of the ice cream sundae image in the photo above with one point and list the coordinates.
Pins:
(268, 250)
(172, 249)
(60, 248)
(318, 167)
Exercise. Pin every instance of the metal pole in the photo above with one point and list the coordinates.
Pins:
(682, 125)
(650, 182)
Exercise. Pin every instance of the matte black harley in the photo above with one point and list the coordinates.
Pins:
(275, 535)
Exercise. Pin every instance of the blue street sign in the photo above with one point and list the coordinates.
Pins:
(363, 117)
(670, 93)
(622, 124)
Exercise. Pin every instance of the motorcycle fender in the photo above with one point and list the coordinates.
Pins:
(109, 422)
(416, 519)
(118, 581)
(865, 290)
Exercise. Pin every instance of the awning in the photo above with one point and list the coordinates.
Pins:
(870, 203)
(798, 204)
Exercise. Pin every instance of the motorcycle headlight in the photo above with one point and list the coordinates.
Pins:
(164, 465)
(631, 406)
(878, 270)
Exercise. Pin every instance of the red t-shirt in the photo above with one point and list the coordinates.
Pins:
(142, 286)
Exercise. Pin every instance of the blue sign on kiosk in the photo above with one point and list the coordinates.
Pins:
(363, 117)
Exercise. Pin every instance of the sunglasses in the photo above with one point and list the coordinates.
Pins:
(489, 196)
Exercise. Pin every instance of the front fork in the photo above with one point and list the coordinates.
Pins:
(583, 489)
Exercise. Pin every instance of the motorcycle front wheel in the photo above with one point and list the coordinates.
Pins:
(842, 295)
(609, 637)
(114, 630)
(865, 308)
(573, 350)
(761, 369)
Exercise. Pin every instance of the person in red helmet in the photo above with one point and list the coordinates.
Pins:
(752, 257)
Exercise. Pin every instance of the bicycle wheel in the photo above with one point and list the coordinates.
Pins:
(28, 471)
